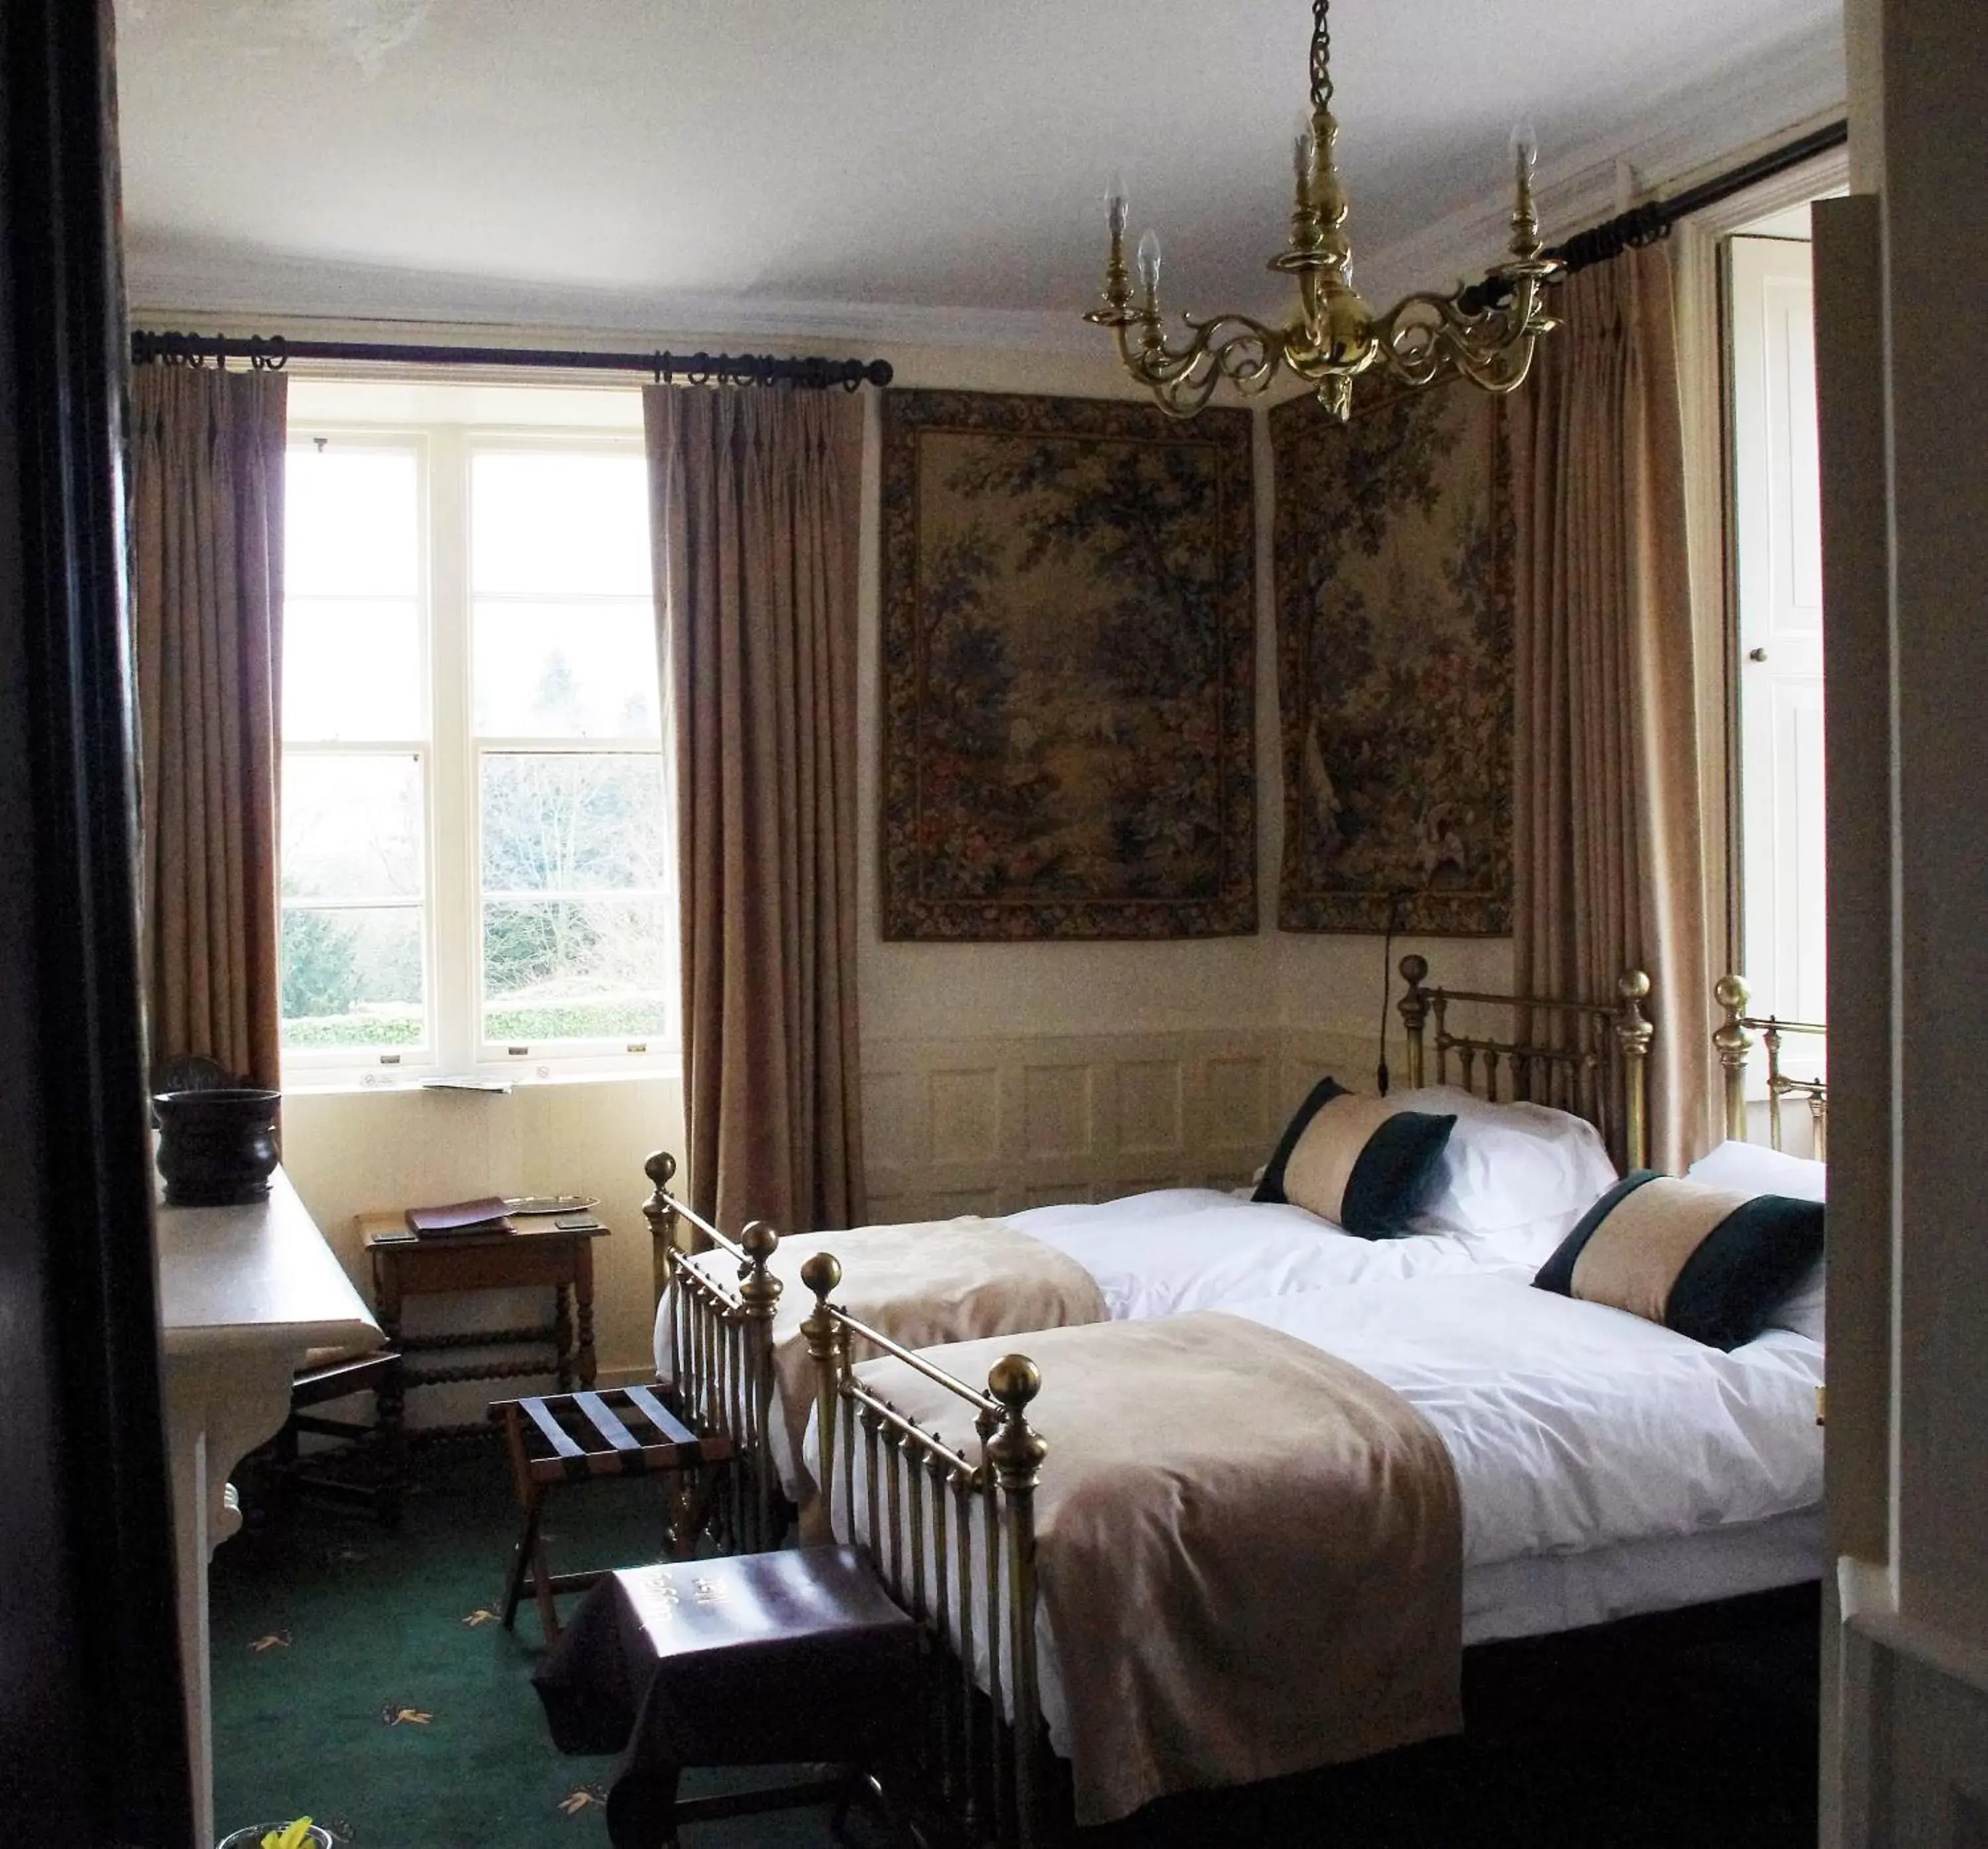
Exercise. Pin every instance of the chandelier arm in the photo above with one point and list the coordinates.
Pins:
(1183, 377)
(1424, 335)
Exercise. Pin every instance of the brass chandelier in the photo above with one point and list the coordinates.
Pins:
(1485, 334)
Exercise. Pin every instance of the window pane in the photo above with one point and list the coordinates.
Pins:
(576, 968)
(352, 827)
(352, 669)
(349, 512)
(352, 978)
(565, 822)
(571, 671)
(559, 522)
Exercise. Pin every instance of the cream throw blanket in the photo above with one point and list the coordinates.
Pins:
(920, 1284)
(1250, 1552)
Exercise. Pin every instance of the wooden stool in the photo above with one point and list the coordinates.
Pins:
(795, 1657)
(556, 1438)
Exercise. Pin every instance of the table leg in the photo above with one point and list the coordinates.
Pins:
(562, 1335)
(583, 1291)
(390, 1403)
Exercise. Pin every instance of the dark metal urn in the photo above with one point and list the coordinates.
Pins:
(216, 1146)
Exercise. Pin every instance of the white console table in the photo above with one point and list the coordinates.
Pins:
(243, 1292)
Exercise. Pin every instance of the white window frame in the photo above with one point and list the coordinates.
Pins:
(452, 755)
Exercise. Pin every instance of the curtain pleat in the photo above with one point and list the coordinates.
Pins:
(755, 522)
(1609, 814)
(208, 512)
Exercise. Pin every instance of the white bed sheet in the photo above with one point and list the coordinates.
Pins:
(1537, 1595)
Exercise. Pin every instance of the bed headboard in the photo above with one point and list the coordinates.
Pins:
(1590, 1058)
(1735, 1043)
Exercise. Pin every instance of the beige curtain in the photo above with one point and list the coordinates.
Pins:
(755, 521)
(1608, 812)
(207, 506)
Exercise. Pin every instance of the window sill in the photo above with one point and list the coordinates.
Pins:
(343, 1086)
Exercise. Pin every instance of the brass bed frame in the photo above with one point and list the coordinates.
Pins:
(952, 1526)
(1735, 1043)
(1590, 1058)
(980, 1757)
(721, 1353)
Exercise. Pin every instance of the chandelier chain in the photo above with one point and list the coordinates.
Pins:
(1321, 56)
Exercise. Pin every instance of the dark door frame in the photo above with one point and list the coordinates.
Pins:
(92, 1726)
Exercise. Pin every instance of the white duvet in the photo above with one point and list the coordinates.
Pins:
(1182, 1248)
(1573, 1426)
(1179, 1248)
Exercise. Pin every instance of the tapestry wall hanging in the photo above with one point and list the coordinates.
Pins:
(1394, 594)
(1069, 670)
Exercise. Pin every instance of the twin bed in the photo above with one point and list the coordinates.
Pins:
(1304, 1469)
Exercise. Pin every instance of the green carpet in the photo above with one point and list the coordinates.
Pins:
(360, 1677)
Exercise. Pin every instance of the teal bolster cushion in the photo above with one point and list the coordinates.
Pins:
(1712, 1263)
(1363, 1164)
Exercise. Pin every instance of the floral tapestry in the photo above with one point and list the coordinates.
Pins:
(1395, 590)
(1069, 670)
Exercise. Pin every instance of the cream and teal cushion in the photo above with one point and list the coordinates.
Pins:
(1363, 1163)
(1713, 1263)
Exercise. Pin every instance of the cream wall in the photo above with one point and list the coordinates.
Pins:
(995, 1075)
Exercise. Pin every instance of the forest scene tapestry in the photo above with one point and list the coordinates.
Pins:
(1395, 590)
(1069, 670)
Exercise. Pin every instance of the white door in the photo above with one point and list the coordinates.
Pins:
(1778, 537)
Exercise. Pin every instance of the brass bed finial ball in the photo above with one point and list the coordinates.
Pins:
(1632, 985)
(1014, 1380)
(1731, 994)
(661, 1168)
(1414, 968)
(758, 1240)
(822, 1273)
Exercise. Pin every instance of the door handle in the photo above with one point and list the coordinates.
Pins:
(1756, 655)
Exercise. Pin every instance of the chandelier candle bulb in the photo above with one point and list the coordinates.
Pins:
(1525, 151)
(1332, 337)
(1116, 207)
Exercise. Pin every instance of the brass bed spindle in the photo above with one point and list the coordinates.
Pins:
(1734, 1040)
(1593, 1058)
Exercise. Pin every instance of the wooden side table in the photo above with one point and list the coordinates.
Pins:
(537, 1253)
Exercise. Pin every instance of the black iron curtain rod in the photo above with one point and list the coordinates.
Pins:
(271, 353)
(1650, 224)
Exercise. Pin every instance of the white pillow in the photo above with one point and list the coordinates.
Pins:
(1515, 1176)
(1755, 1168)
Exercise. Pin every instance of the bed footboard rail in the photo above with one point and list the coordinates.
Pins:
(1735, 1043)
(719, 1301)
(951, 1528)
(1590, 1058)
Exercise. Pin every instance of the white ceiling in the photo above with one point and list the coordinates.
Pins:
(524, 159)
